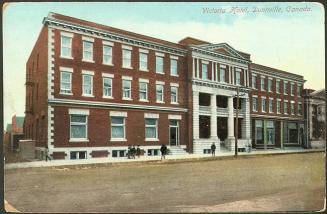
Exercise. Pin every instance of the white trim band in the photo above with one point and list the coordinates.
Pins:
(174, 117)
(143, 51)
(66, 69)
(143, 80)
(108, 75)
(107, 43)
(127, 78)
(118, 113)
(150, 115)
(62, 33)
(79, 111)
(88, 72)
(88, 39)
(126, 47)
(160, 54)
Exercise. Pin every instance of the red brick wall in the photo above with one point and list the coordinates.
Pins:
(99, 154)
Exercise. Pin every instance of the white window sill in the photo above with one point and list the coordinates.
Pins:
(160, 101)
(174, 103)
(68, 94)
(110, 64)
(144, 101)
(160, 72)
(118, 140)
(126, 98)
(66, 57)
(78, 140)
(174, 75)
(263, 111)
(151, 139)
(107, 97)
(87, 95)
(146, 70)
(90, 61)
(255, 110)
(127, 67)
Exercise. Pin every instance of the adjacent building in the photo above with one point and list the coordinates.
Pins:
(92, 90)
(13, 133)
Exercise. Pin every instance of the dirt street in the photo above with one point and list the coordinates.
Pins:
(293, 182)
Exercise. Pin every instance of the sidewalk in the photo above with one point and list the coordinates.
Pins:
(169, 158)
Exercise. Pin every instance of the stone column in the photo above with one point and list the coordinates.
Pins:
(196, 107)
(230, 144)
(246, 126)
(213, 117)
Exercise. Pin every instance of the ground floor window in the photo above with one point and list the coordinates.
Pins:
(204, 127)
(77, 155)
(292, 133)
(151, 128)
(270, 132)
(153, 152)
(118, 153)
(78, 126)
(259, 132)
(117, 127)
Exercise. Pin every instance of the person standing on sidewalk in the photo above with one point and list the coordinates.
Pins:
(163, 150)
(138, 151)
(213, 149)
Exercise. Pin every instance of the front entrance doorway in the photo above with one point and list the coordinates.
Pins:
(174, 132)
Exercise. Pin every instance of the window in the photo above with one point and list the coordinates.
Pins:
(259, 132)
(66, 82)
(151, 128)
(292, 108)
(299, 90)
(254, 82)
(107, 55)
(88, 51)
(292, 89)
(143, 61)
(285, 88)
(299, 108)
(78, 127)
(205, 71)
(159, 64)
(174, 94)
(173, 67)
(285, 107)
(118, 153)
(117, 128)
(153, 152)
(127, 93)
(222, 74)
(271, 106)
(263, 104)
(66, 46)
(270, 85)
(127, 58)
(160, 93)
(87, 85)
(77, 155)
(143, 91)
(238, 78)
(278, 106)
(254, 104)
(107, 87)
(278, 86)
(262, 83)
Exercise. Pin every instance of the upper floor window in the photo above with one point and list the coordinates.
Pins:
(285, 107)
(87, 83)
(271, 109)
(270, 85)
(107, 87)
(174, 94)
(160, 92)
(143, 89)
(299, 108)
(173, 67)
(254, 104)
(66, 45)
(285, 88)
(222, 74)
(263, 104)
(66, 80)
(159, 64)
(292, 108)
(254, 82)
(292, 89)
(278, 106)
(299, 90)
(127, 57)
(143, 61)
(277, 86)
(127, 89)
(262, 83)
(205, 72)
(107, 54)
(87, 49)
(237, 78)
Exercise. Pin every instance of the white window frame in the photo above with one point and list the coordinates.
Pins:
(110, 55)
(298, 105)
(286, 92)
(292, 89)
(265, 104)
(127, 49)
(237, 80)
(224, 69)
(146, 82)
(79, 112)
(292, 108)
(162, 85)
(143, 53)
(91, 51)
(110, 77)
(270, 87)
(298, 90)
(151, 126)
(287, 107)
(278, 107)
(271, 101)
(70, 36)
(68, 71)
(160, 56)
(278, 88)
(84, 74)
(172, 85)
(77, 155)
(173, 59)
(264, 84)
(254, 83)
(118, 125)
(205, 65)
(127, 79)
(255, 104)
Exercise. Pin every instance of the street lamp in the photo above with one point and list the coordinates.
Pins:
(236, 123)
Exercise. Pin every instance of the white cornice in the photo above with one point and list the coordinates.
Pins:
(55, 23)
(277, 75)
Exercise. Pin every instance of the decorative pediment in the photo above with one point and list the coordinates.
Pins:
(224, 48)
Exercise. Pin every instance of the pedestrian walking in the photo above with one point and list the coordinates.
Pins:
(138, 151)
(47, 156)
(163, 150)
(213, 149)
(129, 152)
(133, 152)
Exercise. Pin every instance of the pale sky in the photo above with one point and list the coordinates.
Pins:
(290, 41)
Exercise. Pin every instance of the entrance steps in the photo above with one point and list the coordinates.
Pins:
(200, 146)
(176, 150)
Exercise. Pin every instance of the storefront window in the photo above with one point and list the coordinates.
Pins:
(270, 132)
(292, 133)
(259, 132)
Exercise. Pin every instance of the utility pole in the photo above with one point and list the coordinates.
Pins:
(236, 123)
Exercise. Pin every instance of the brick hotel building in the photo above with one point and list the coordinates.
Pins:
(92, 90)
